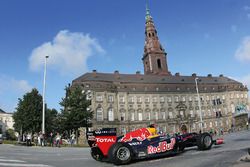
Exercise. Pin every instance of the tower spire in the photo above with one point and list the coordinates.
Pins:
(154, 57)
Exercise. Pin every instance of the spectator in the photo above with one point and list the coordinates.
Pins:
(58, 139)
(28, 139)
(72, 139)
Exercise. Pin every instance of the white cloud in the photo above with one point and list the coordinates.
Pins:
(246, 8)
(243, 51)
(68, 53)
(12, 85)
(10, 90)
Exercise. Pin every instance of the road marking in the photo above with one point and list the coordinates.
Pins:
(25, 165)
(10, 160)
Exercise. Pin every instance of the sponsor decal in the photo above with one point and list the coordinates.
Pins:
(106, 140)
(140, 135)
(162, 147)
(135, 143)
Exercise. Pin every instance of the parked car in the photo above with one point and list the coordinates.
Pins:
(1, 139)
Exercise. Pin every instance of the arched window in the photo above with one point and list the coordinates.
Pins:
(159, 63)
(99, 114)
(122, 116)
(110, 114)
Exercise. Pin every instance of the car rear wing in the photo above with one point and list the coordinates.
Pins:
(102, 138)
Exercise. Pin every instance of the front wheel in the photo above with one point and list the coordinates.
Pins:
(204, 141)
(120, 153)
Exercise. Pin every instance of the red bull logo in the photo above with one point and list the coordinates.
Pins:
(140, 135)
(162, 147)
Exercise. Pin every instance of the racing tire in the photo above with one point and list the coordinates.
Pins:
(204, 141)
(96, 154)
(120, 153)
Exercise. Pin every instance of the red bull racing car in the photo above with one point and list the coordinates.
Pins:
(143, 143)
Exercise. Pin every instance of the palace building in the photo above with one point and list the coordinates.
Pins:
(130, 101)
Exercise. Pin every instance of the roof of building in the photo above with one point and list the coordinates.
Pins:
(153, 79)
(1, 111)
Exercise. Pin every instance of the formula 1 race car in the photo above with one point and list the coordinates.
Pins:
(143, 143)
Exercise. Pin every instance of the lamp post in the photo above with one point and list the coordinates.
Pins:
(44, 87)
(199, 103)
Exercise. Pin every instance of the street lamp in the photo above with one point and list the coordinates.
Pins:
(44, 87)
(199, 103)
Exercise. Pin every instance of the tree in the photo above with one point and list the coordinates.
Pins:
(28, 115)
(75, 112)
(51, 120)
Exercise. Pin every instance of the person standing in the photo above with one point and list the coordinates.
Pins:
(58, 138)
(72, 139)
(28, 141)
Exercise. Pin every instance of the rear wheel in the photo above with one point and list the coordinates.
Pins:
(204, 141)
(120, 153)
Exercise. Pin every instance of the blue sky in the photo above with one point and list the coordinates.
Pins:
(200, 36)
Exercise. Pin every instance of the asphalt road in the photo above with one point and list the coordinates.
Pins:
(219, 156)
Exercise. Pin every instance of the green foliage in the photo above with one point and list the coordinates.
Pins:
(75, 112)
(10, 134)
(28, 115)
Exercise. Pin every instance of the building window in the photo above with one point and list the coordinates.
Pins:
(242, 96)
(209, 112)
(211, 124)
(123, 116)
(205, 125)
(131, 99)
(121, 99)
(223, 97)
(208, 98)
(162, 99)
(170, 114)
(196, 98)
(159, 63)
(183, 98)
(163, 115)
(110, 98)
(146, 99)
(194, 126)
(169, 99)
(156, 115)
(140, 116)
(246, 95)
(176, 98)
(237, 96)
(132, 116)
(191, 113)
(232, 96)
(148, 116)
(111, 114)
(190, 98)
(138, 99)
(182, 114)
(216, 123)
(99, 98)
(154, 99)
(99, 114)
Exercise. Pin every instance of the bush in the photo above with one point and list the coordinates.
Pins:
(10, 134)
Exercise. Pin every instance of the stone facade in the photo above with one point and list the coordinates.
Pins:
(130, 101)
(6, 121)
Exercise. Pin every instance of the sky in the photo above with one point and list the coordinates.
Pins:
(199, 36)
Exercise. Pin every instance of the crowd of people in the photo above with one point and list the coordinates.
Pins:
(51, 139)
